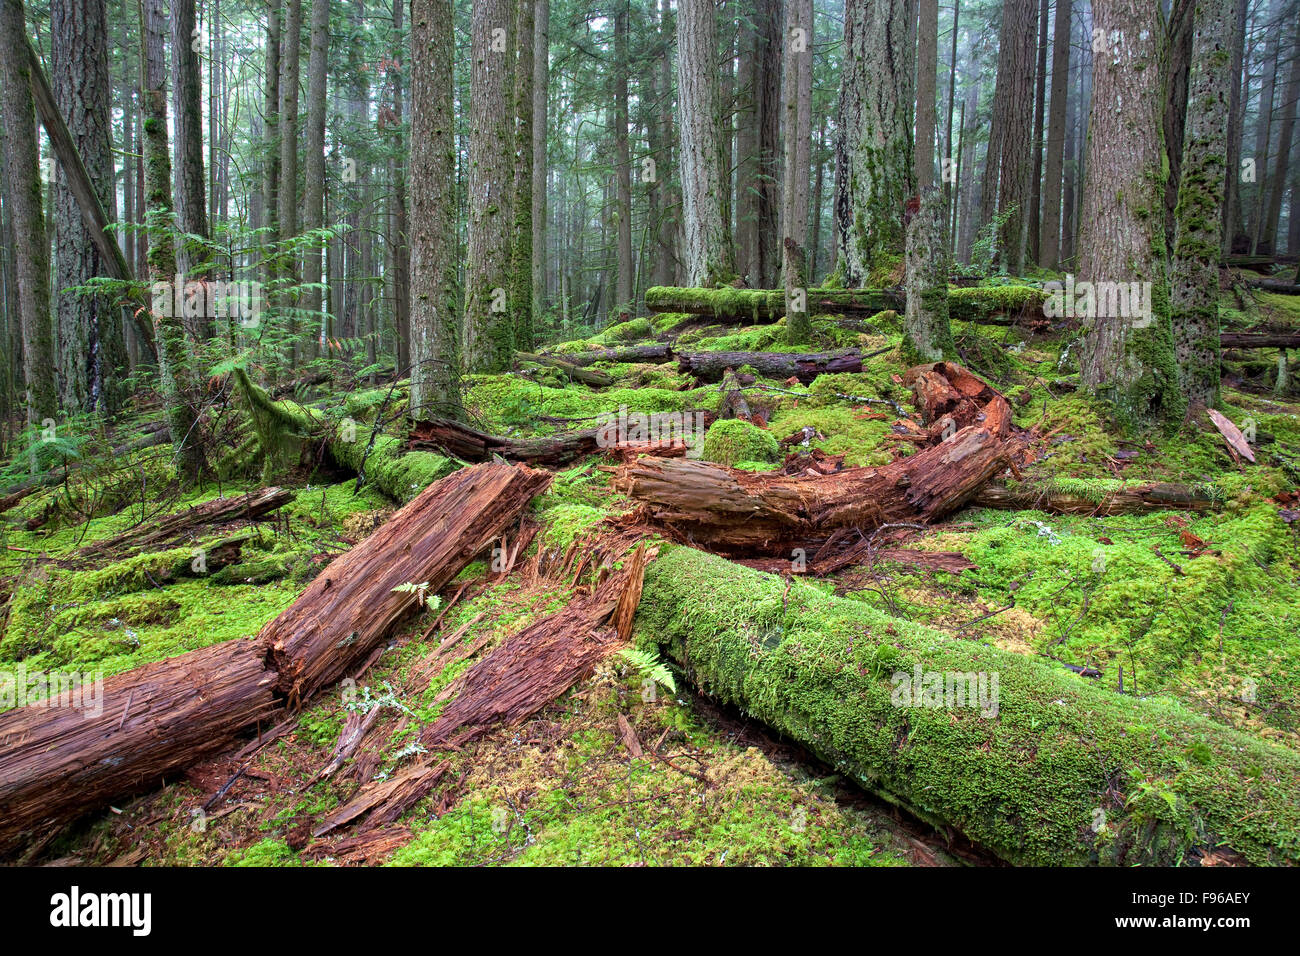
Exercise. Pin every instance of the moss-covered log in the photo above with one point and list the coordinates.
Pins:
(289, 433)
(1045, 769)
(654, 354)
(1260, 340)
(805, 366)
(578, 373)
(1066, 498)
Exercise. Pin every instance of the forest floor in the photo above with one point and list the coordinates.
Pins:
(620, 770)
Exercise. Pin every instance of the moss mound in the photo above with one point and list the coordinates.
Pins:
(730, 440)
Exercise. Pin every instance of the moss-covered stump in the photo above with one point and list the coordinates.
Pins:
(732, 440)
(286, 429)
(1046, 768)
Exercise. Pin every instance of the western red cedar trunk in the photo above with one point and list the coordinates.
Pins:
(1049, 248)
(758, 158)
(489, 331)
(1127, 359)
(92, 351)
(1177, 69)
(520, 303)
(1040, 102)
(874, 165)
(32, 252)
(1195, 267)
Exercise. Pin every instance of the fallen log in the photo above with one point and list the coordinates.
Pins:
(648, 354)
(350, 607)
(805, 366)
(1260, 340)
(147, 724)
(155, 720)
(738, 513)
(1021, 756)
(1135, 499)
(588, 376)
(172, 530)
(469, 444)
(1281, 286)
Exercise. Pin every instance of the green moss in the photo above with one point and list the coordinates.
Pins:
(1025, 781)
(730, 440)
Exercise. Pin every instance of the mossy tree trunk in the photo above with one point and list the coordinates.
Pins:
(175, 372)
(521, 245)
(290, 69)
(1127, 359)
(435, 328)
(928, 336)
(1194, 293)
(32, 252)
(796, 96)
(489, 329)
(873, 161)
(190, 180)
(709, 258)
(313, 180)
(1049, 242)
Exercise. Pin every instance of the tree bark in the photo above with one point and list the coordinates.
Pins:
(489, 331)
(541, 92)
(796, 95)
(190, 179)
(313, 180)
(32, 254)
(927, 74)
(1050, 234)
(874, 168)
(1129, 362)
(435, 329)
(521, 267)
(1194, 271)
(290, 69)
(927, 335)
(758, 115)
(709, 255)
(805, 366)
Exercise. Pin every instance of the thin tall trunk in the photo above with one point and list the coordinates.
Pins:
(1281, 163)
(1232, 213)
(398, 245)
(1034, 222)
(175, 371)
(32, 253)
(190, 178)
(290, 68)
(927, 68)
(271, 125)
(313, 182)
(1177, 69)
(541, 91)
(796, 94)
(1049, 248)
(623, 292)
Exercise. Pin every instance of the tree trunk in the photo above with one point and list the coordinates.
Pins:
(796, 94)
(758, 119)
(92, 351)
(1126, 359)
(175, 364)
(709, 256)
(1278, 181)
(520, 303)
(313, 180)
(271, 128)
(873, 167)
(398, 251)
(489, 331)
(1177, 71)
(32, 253)
(927, 73)
(541, 92)
(1264, 129)
(190, 179)
(290, 68)
(1009, 164)
(1232, 216)
(1195, 267)
(1034, 223)
(1050, 234)
(435, 330)
(624, 289)
(927, 335)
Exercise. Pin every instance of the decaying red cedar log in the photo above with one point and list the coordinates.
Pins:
(805, 366)
(1125, 501)
(157, 719)
(541, 662)
(552, 451)
(56, 763)
(948, 389)
(648, 354)
(350, 608)
(737, 513)
(176, 529)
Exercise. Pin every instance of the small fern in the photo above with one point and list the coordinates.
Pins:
(649, 665)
